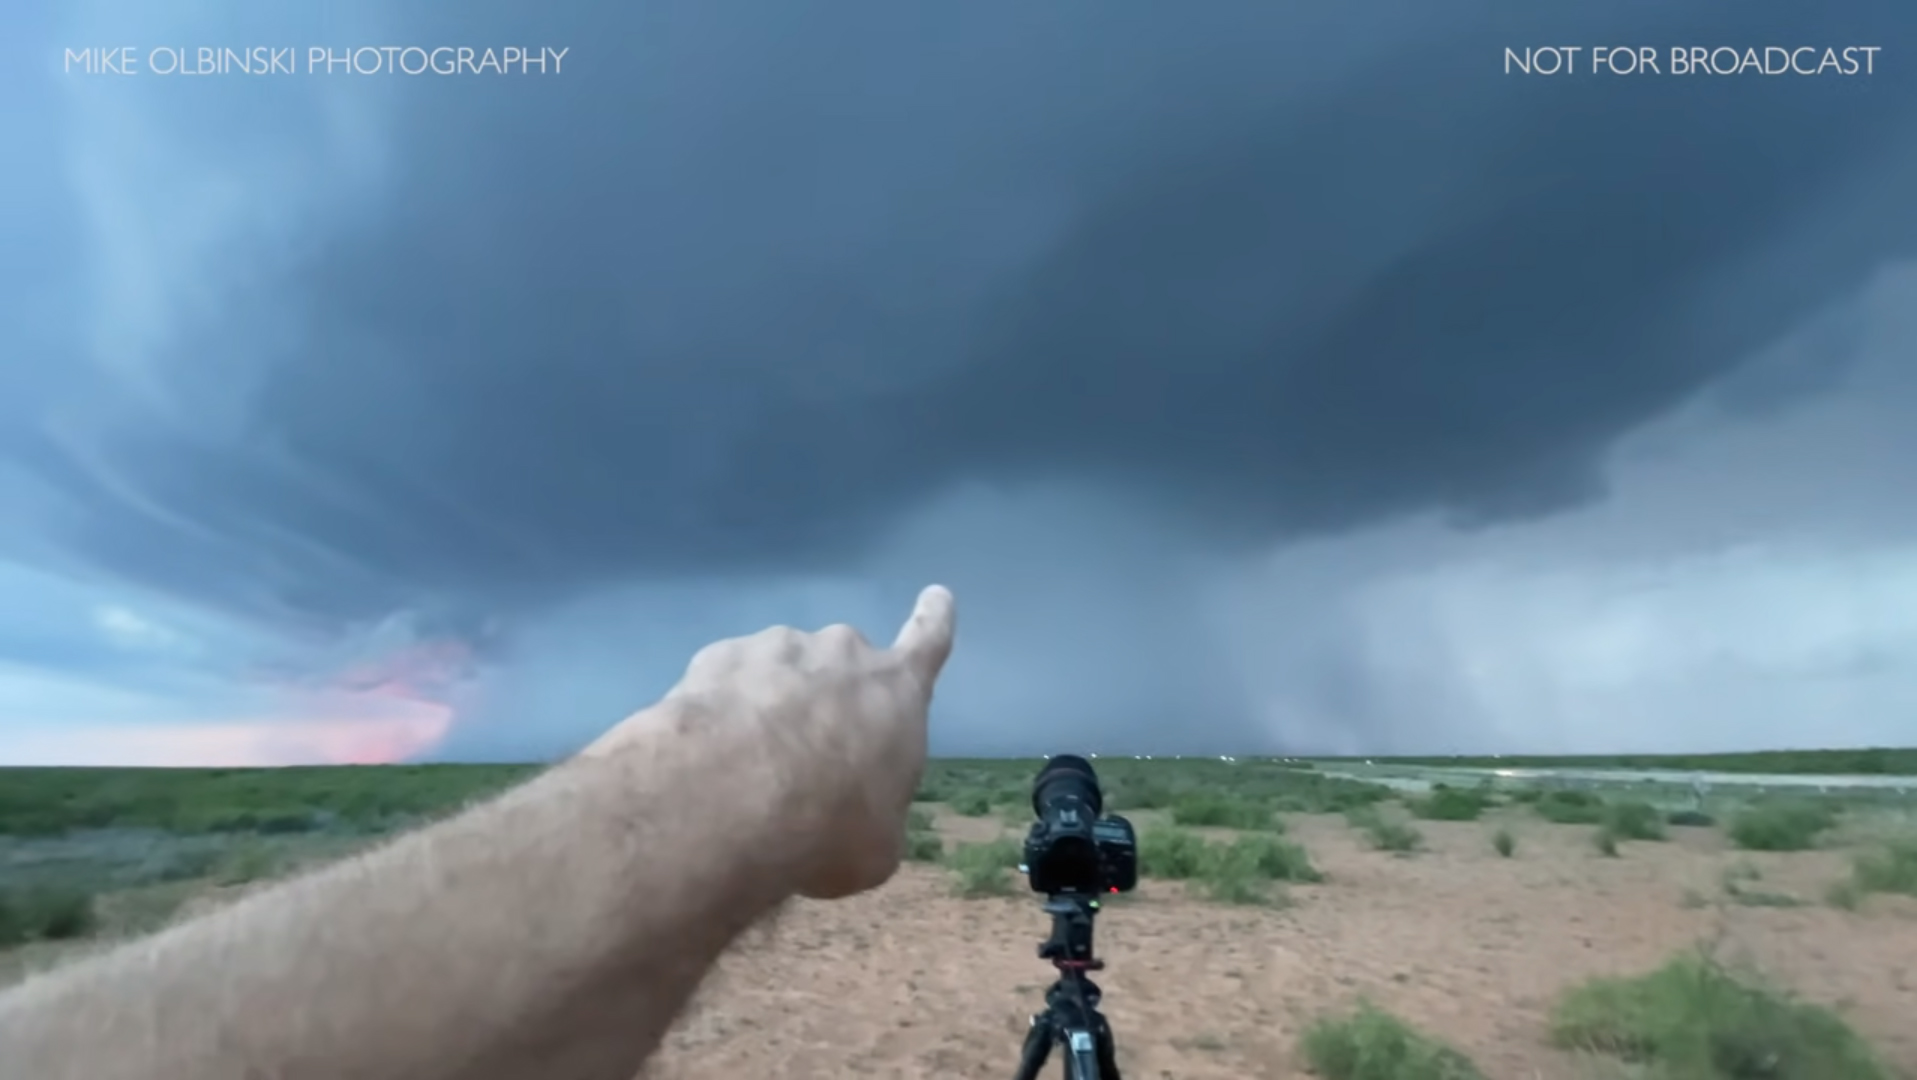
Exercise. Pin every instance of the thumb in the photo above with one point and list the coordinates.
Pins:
(926, 638)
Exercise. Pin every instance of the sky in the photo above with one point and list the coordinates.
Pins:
(1262, 378)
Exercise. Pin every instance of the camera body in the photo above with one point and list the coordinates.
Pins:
(1073, 849)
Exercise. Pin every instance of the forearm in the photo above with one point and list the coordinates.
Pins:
(554, 932)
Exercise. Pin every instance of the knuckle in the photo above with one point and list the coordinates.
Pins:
(842, 637)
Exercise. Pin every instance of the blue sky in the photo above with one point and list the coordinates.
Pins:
(1262, 379)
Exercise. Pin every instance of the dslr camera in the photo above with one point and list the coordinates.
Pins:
(1072, 849)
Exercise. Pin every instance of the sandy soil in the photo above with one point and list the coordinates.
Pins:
(910, 982)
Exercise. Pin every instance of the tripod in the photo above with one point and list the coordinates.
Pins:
(1071, 1020)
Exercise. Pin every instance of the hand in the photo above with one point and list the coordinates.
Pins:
(846, 726)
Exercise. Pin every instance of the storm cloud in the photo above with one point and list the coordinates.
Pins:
(1172, 338)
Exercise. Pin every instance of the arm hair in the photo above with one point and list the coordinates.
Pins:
(555, 931)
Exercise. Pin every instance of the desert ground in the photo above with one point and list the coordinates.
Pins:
(912, 981)
(1465, 933)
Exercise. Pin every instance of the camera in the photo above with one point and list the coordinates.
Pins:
(1072, 849)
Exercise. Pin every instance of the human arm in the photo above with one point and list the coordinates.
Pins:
(553, 932)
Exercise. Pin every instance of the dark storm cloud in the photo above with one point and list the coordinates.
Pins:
(641, 320)
(746, 283)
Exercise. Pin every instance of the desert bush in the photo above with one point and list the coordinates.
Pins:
(1265, 857)
(1781, 826)
(1171, 854)
(248, 863)
(1739, 883)
(1690, 819)
(186, 864)
(1220, 811)
(1238, 882)
(1135, 792)
(45, 914)
(1570, 807)
(1891, 870)
(971, 803)
(1384, 833)
(1605, 841)
(1395, 836)
(1350, 795)
(1527, 795)
(1504, 843)
(1177, 854)
(1632, 821)
(1371, 1044)
(1241, 871)
(924, 847)
(1449, 804)
(1693, 1020)
(66, 914)
(984, 869)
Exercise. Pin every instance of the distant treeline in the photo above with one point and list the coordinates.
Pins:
(1867, 761)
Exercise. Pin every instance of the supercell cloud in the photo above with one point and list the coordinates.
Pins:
(1260, 380)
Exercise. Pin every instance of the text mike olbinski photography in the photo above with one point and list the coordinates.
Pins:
(201, 60)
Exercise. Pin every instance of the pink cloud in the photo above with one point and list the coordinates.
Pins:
(397, 733)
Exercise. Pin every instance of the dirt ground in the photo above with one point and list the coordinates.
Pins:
(912, 982)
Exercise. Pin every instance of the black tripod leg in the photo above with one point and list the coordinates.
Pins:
(1107, 1049)
(1038, 1046)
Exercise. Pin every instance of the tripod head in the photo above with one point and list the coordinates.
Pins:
(1071, 1019)
(1070, 946)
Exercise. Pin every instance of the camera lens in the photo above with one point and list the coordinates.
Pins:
(1067, 776)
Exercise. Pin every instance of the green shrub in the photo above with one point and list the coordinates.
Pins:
(1781, 826)
(1171, 854)
(982, 870)
(1570, 807)
(1371, 1044)
(924, 847)
(972, 803)
(1265, 857)
(1237, 872)
(1690, 819)
(1228, 882)
(247, 864)
(66, 914)
(1449, 804)
(1633, 821)
(1692, 1020)
(45, 914)
(186, 865)
(1504, 843)
(1134, 792)
(1388, 835)
(1892, 870)
(1350, 796)
(1220, 811)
